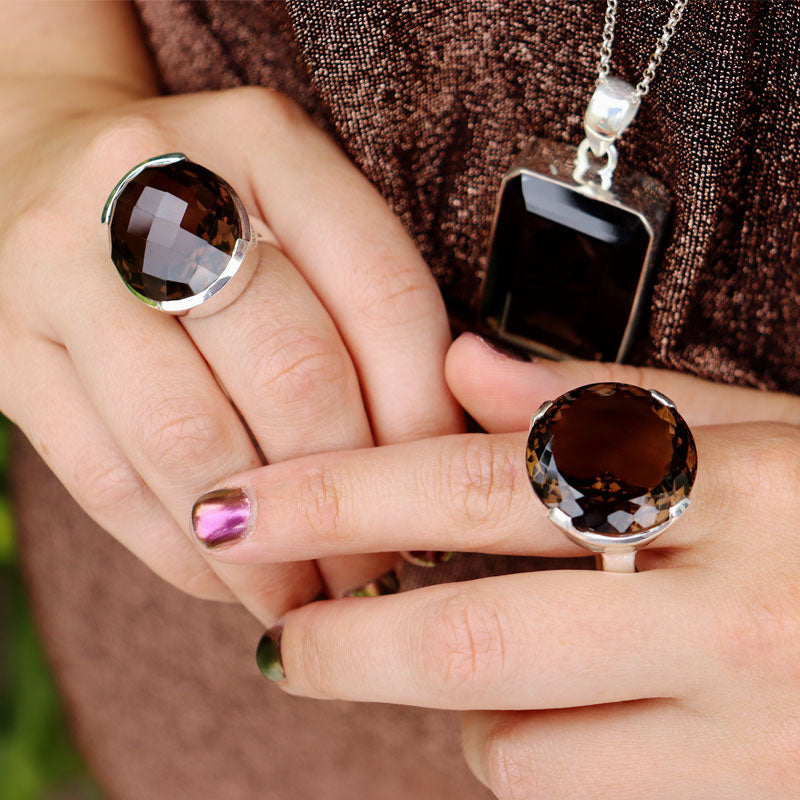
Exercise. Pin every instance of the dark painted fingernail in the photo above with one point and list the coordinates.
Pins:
(427, 558)
(385, 584)
(505, 349)
(221, 516)
(268, 654)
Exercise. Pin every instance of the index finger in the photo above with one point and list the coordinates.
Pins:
(468, 493)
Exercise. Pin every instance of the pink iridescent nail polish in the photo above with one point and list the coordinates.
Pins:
(221, 517)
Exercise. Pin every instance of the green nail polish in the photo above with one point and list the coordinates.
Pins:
(426, 558)
(385, 584)
(268, 654)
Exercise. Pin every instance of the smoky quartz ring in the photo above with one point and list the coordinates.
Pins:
(180, 237)
(615, 465)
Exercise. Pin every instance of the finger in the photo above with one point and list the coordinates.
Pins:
(278, 354)
(538, 640)
(64, 428)
(627, 751)
(280, 357)
(340, 233)
(470, 493)
(501, 392)
(154, 393)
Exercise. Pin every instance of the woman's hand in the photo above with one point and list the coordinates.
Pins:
(681, 681)
(338, 341)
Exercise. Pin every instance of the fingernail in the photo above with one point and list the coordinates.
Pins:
(426, 558)
(221, 516)
(385, 584)
(268, 654)
(505, 349)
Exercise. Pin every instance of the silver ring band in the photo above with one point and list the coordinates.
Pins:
(181, 249)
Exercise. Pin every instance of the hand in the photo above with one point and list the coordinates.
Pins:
(340, 336)
(680, 681)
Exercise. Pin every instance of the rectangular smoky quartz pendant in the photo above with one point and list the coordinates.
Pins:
(569, 261)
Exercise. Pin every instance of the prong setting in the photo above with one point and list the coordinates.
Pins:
(585, 463)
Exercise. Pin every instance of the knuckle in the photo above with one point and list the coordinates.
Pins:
(481, 481)
(320, 503)
(762, 636)
(395, 292)
(125, 141)
(508, 766)
(769, 455)
(295, 367)
(248, 102)
(464, 646)
(765, 463)
(26, 252)
(179, 436)
(107, 485)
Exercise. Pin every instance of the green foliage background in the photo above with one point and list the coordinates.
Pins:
(37, 758)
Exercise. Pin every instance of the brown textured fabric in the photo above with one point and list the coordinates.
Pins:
(432, 100)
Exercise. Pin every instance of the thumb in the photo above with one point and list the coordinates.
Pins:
(502, 392)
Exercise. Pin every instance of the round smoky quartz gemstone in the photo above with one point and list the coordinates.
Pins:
(173, 230)
(613, 457)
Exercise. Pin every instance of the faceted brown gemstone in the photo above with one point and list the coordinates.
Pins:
(612, 457)
(173, 230)
(564, 269)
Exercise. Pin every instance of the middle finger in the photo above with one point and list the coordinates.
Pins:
(278, 353)
(528, 641)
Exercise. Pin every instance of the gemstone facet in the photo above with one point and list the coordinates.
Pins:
(563, 268)
(173, 230)
(569, 264)
(614, 458)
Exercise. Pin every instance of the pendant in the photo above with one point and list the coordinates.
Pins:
(574, 241)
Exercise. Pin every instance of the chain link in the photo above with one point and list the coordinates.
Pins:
(667, 32)
(608, 39)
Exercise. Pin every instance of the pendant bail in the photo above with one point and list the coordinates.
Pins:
(611, 110)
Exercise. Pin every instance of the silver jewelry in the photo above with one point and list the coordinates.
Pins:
(615, 464)
(615, 103)
(180, 237)
(576, 236)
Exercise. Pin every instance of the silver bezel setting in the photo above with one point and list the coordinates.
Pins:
(602, 543)
(633, 192)
(232, 280)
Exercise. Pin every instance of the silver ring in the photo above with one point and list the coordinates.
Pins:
(180, 237)
(615, 464)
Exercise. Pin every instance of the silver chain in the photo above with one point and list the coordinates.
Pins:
(643, 87)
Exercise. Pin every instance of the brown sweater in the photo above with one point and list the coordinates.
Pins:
(431, 99)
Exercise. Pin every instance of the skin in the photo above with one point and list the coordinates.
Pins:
(678, 681)
(338, 336)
